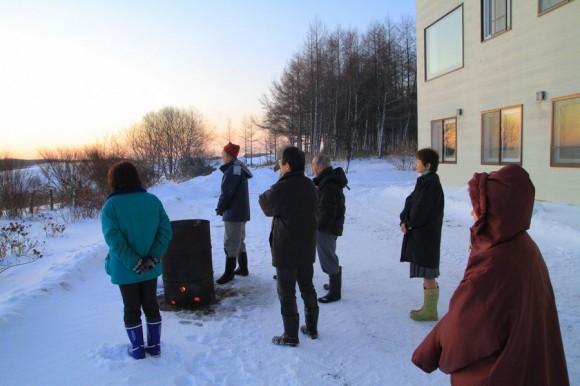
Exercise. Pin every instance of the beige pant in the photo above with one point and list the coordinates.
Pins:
(234, 236)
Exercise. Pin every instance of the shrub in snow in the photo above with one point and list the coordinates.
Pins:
(52, 227)
(15, 238)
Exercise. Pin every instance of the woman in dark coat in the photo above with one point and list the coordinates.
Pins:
(421, 222)
(502, 326)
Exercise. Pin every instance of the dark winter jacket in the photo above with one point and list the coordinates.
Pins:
(135, 226)
(331, 208)
(292, 202)
(423, 217)
(234, 201)
(502, 325)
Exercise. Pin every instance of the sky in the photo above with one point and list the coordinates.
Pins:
(61, 319)
(75, 71)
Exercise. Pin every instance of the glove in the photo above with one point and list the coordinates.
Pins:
(218, 212)
(145, 265)
(150, 263)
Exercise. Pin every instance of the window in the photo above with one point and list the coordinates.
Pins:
(565, 147)
(548, 5)
(444, 45)
(501, 136)
(495, 17)
(444, 139)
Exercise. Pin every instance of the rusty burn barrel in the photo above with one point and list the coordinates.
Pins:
(187, 265)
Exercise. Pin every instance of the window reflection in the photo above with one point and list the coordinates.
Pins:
(444, 138)
(547, 5)
(490, 135)
(566, 131)
(495, 17)
(449, 139)
(511, 135)
(501, 136)
(444, 45)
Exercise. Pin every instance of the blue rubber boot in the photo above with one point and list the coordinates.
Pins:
(153, 347)
(135, 334)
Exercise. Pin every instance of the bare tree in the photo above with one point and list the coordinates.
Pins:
(314, 57)
(230, 131)
(249, 137)
(169, 139)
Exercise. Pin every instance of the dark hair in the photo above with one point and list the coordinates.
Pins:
(295, 157)
(428, 156)
(124, 175)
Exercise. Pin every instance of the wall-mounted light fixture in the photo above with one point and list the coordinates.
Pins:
(540, 96)
(459, 112)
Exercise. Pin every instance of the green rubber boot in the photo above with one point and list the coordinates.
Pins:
(429, 310)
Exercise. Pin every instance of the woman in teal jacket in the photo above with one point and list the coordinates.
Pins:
(137, 231)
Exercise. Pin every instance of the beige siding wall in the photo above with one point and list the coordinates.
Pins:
(537, 54)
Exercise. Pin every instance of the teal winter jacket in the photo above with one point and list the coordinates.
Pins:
(135, 226)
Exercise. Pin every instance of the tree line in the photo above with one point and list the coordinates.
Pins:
(348, 94)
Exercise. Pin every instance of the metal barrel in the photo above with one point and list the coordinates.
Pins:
(187, 264)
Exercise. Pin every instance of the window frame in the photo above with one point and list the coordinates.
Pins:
(551, 8)
(440, 146)
(500, 161)
(552, 118)
(426, 47)
(487, 23)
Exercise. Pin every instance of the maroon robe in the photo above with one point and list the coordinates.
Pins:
(502, 325)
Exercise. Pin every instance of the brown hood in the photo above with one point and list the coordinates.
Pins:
(503, 200)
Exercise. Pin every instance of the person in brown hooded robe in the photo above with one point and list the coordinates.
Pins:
(502, 326)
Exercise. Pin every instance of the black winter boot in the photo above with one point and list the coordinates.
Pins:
(290, 335)
(335, 284)
(311, 327)
(229, 272)
(242, 265)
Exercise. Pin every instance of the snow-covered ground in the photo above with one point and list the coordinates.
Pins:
(61, 320)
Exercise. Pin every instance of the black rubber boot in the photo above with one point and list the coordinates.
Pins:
(311, 327)
(290, 335)
(242, 265)
(229, 272)
(335, 284)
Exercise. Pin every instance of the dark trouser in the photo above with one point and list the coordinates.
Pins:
(286, 285)
(137, 296)
(326, 248)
